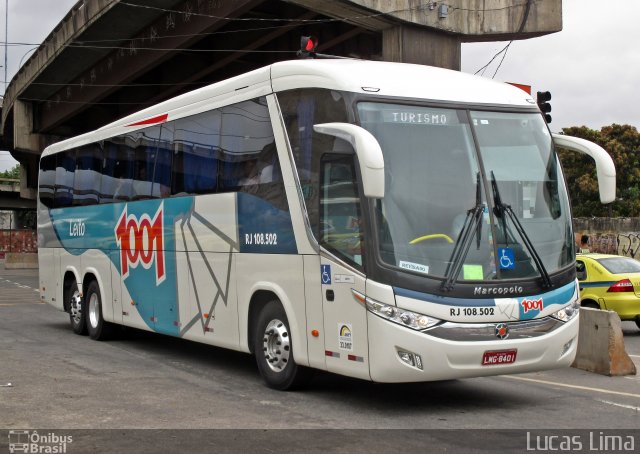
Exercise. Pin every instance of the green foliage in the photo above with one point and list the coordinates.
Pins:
(623, 144)
(11, 173)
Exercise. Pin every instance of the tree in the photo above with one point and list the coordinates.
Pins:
(623, 144)
(11, 173)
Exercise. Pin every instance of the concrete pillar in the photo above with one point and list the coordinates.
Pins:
(410, 44)
(27, 147)
(28, 184)
(24, 138)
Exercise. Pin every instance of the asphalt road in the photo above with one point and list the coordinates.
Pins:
(64, 382)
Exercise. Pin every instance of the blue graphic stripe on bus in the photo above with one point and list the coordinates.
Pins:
(529, 306)
(143, 245)
(263, 228)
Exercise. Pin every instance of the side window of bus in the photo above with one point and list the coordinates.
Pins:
(340, 215)
(86, 185)
(162, 170)
(248, 155)
(196, 140)
(117, 171)
(246, 131)
(47, 180)
(123, 172)
(146, 143)
(65, 169)
(301, 110)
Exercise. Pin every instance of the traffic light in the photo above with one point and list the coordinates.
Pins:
(308, 46)
(542, 99)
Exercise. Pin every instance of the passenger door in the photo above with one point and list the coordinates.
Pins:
(345, 321)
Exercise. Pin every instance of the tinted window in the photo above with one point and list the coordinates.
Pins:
(65, 168)
(117, 174)
(340, 208)
(196, 141)
(581, 270)
(86, 186)
(47, 179)
(301, 110)
(244, 144)
(228, 149)
(620, 265)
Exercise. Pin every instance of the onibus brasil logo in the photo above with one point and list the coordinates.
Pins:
(33, 442)
(141, 242)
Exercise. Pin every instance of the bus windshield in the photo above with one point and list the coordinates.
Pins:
(470, 195)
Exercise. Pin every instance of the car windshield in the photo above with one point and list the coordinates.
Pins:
(620, 265)
(437, 218)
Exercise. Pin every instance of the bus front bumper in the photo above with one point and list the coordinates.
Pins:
(399, 354)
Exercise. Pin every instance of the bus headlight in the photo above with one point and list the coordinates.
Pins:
(568, 312)
(402, 317)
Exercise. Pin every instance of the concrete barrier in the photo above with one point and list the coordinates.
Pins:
(601, 344)
(21, 260)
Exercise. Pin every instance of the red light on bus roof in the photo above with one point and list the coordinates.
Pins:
(308, 43)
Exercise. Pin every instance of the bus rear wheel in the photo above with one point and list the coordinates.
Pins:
(273, 349)
(77, 317)
(98, 328)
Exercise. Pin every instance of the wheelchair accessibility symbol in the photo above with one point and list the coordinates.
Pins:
(325, 274)
(507, 258)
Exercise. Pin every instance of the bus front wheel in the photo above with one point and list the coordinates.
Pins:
(98, 328)
(272, 346)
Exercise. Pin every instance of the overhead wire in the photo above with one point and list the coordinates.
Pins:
(505, 49)
(290, 22)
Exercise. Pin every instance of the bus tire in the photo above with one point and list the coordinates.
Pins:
(96, 325)
(77, 316)
(273, 349)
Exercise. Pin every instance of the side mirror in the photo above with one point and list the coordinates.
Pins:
(368, 151)
(605, 168)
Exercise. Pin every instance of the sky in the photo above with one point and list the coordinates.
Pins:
(590, 67)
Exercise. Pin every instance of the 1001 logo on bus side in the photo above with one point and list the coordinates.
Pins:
(141, 242)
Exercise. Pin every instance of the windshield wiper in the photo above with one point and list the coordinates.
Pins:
(463, 243)
(500, 210)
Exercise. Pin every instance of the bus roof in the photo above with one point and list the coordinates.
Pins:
(402, 80)
(387, 79)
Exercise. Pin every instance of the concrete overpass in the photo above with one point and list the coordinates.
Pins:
(10, 196)
(108, 58)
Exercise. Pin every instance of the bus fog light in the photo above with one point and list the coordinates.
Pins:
(566, 347)
(412, 359)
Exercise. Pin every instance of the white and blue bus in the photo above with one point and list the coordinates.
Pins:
(385, 221)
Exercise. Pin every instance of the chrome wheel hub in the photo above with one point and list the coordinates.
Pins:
(93, 310)
(75, 308)
(276, 344)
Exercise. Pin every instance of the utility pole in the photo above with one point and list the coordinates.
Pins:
(6, 39)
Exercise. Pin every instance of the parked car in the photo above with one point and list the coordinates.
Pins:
(610, 282)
